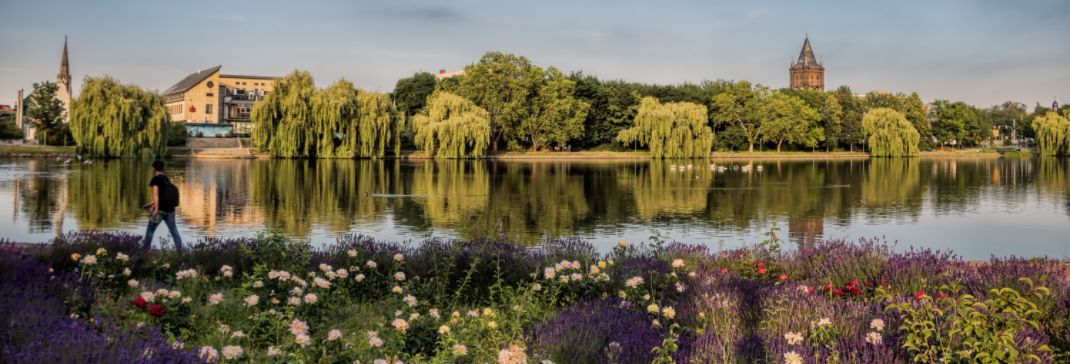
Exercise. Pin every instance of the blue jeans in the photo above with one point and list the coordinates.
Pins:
(167, 218)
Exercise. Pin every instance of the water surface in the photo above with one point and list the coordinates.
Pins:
(977, 207)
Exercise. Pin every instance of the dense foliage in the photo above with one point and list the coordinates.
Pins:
(298, 121)
(267, 299)
(889, 134)
(1053, 133)
(671, 130)
(452, 127)
(789, 119)
(112, 120)
(45, 113)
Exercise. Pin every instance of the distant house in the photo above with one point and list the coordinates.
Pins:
(214, 104)
(443, 74)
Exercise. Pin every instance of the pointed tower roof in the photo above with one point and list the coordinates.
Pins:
(806, 57)
(64, 65)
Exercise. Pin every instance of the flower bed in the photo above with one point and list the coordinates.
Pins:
(97, 296)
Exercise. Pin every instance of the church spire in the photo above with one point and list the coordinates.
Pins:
(64, 66)
(806, 56)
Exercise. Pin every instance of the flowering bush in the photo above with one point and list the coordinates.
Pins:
(269, 299)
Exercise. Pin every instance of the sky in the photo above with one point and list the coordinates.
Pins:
(982, 52)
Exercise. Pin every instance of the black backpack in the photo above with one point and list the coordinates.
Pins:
(169, 194)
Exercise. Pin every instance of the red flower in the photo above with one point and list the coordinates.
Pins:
(828, 287)
(724, 270)
(761, 270)
(157, 310)
(810, 289)
(941, 295)
(761, 264)
(837, 292)
(854, 282)
(918, 296)
(783, 277)
(139, 302)
(855, 291)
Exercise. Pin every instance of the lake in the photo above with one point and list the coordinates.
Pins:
(976, 207)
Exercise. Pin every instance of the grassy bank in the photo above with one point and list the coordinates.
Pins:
(272, 300)
(21, 150)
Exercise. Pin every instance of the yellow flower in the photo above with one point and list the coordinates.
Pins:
(669, 312)
(621, 243)
(492, 325)
(102, 251)
(488, 312)
(76, 256)
(602, 264)
(653, 308)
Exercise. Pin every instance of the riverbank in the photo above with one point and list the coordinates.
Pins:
(35, 151)
(269, 299)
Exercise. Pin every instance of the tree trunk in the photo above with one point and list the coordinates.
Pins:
(750, 147)
(778, 146)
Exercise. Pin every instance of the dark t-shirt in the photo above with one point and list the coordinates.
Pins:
(162, 182)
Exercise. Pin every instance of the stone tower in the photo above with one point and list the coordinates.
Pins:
(63, 83)
(807, 73)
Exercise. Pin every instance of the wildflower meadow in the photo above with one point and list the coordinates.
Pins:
(97, 297)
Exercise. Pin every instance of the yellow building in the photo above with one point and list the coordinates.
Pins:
(213, 103)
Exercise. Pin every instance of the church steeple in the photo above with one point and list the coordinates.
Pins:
(64, 75)
(63, 82)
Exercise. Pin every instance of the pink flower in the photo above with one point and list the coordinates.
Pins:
(761, 270)
(298, 327)
(783, 277)
(918, 296)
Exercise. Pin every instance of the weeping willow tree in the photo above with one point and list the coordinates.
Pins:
(112, 120)
(281, 120)
(672, 130)
(380, 125)
(1053, 134)
(335, 113)
(452, 127)
(889, 134)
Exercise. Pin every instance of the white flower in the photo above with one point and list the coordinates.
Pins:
(258, 284)
(352, 253)
(122, 257)
(536, 287)
(563, 278)
(576, 277)
(824, 322)
(359, 277)
(311, 298)
(397, 289)
(232, 352)
(680, 287)
(433, 313)
(321, 283)
(413, 316)
(575, 264)
(237, 334)
(342, 273)
(512, 355)
(186, 274)
(793, 338)
(227, 271)
(459, 350)
(325, 268)
(634, 282)
(102, 251)
(400, 325)
(89, 260)
(334, 334)
(874, 338)
(410, 299)
(294, 301)
(148, 296)
(297, 291)
(372, 264)
(678, 263)
(178, 345)
(549, 272)
(273, 351)
(127, 272)
(252, 300)
(302, 340)
(442, 330)
(187, 300)
(174, 294)
(792, 357)
(398, 257)
(133, 283)
(380, 361)
(399, 276)
(209, 354)
(375, 341)
(877, 324)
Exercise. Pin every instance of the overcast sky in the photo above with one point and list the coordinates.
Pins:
(983, 52)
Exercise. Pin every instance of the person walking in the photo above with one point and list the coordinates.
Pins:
(164, 201)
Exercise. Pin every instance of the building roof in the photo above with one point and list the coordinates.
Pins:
(250, 77)
(806, 58)
(64, 65)
(192, 80)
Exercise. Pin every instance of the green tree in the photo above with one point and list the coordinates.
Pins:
(379, 125)
(110, 120)
(741, 105)
(672, 130)
(452, 127)
(503, 85)
(613, 107)
(557, 116)
(957, 123)
(851, 121)
(788, 119)
(411, 93)
(281, 120)
(1053, 134)
(889, 133)
(914, 110)
(1009, 116)
(830, 112)
(45, 112)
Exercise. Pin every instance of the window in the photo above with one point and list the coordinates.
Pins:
(210, 84)
(207, 108)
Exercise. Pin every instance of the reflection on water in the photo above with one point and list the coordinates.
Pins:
(975, 206)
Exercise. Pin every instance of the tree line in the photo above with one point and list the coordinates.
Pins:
(504, 102)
